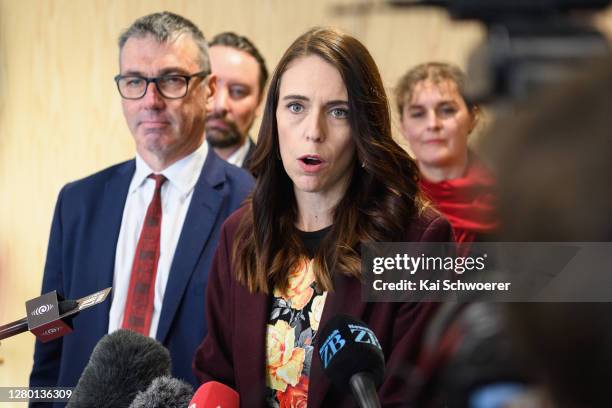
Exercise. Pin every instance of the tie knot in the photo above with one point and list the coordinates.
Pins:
(160, 179)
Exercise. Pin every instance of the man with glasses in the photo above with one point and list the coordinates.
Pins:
(149, 226)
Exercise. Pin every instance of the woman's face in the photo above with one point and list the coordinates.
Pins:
(315, 136)
(436, 123)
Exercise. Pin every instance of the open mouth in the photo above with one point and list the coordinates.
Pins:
(311, 160)
(311, 163)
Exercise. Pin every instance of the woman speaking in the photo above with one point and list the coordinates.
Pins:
(329, 177)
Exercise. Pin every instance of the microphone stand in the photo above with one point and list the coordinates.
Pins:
(364, 390)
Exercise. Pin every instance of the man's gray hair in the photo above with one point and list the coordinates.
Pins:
(165, 27)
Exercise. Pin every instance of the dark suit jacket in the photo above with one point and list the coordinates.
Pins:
(247, 159)
(81, 259)
(234, 350)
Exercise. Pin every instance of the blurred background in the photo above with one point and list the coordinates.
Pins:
(60, 113)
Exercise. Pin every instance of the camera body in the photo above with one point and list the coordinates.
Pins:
(530, 44)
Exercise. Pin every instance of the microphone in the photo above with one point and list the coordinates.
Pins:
(215, 395)
(122, 364)
(50, 316)
(351, 355)
(164, 392)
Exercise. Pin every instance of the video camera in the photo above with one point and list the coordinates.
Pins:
(530, 43)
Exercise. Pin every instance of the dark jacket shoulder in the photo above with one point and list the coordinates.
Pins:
(240, 178)
(231, 224)
(99, 178)
(428, 225)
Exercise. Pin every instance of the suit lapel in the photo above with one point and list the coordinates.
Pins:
(345, 299)
(250, 360)
(111, 214)
(247, 158)
(200, 220)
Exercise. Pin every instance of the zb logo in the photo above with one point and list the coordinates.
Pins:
(334, 342)
(332, 345)
(364, 335)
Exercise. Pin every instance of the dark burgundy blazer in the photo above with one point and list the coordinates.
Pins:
(234, 350)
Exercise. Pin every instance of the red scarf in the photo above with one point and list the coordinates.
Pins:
(469, 202)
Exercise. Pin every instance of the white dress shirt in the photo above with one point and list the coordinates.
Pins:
(237, 158)
(176, 195)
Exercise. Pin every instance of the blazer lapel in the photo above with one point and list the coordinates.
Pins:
(250, 359)
(345, 299)
(199, 222)
(111, 214)
(249, 155)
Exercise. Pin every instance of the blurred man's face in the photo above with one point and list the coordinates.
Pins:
(237, 98)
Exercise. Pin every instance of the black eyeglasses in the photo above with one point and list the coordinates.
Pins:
(171, 86)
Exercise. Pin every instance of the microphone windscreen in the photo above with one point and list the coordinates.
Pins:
(214, 394)
(164, 392)
(122, 364)
(347, 347)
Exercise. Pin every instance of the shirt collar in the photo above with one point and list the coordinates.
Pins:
(237, 158)
(182, 174)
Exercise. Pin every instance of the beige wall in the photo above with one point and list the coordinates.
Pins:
(60, 116)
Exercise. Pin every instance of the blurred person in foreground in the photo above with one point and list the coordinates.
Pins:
(554, 162)
(552, 157)
(436, 121)
(329, 177)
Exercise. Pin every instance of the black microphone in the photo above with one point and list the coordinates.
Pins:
(49, 316)
(164, 392)
(122, 364)
(351, 355)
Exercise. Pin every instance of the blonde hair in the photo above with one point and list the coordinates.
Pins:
(435, 72)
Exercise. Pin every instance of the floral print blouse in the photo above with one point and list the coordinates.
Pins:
(292, 327)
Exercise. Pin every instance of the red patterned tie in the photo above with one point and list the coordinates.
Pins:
(139, 304)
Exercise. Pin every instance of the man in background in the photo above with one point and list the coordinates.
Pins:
(147, 227)
(241, 78)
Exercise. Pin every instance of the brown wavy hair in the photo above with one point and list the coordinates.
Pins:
(382, 193)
